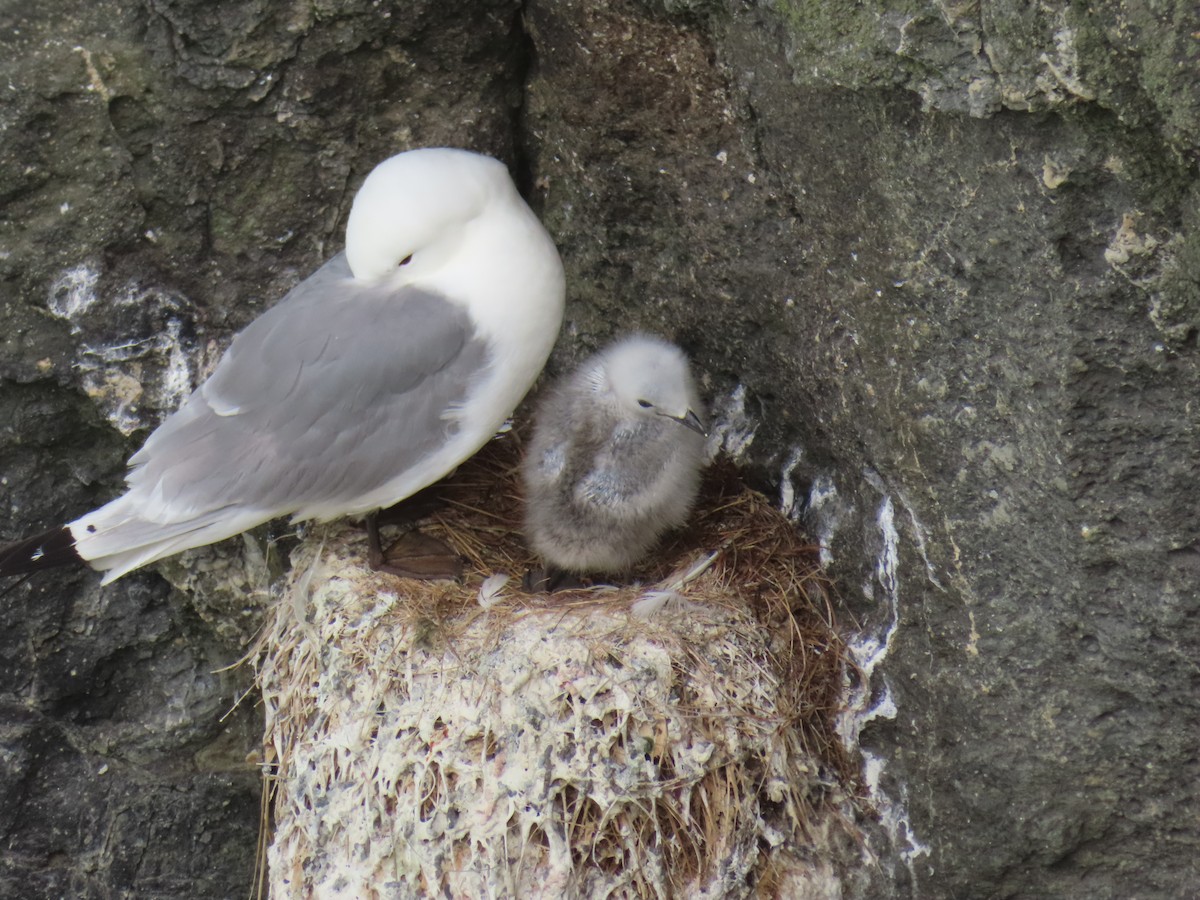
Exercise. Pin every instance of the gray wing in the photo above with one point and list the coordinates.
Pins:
(327, 395)
(587, 460)
(626, 469)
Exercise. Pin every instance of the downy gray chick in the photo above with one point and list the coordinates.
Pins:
(615, 458)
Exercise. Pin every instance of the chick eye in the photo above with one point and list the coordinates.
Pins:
(645, 404)
(406, 260)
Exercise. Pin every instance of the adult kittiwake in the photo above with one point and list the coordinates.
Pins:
(371, 379)
(615, 459)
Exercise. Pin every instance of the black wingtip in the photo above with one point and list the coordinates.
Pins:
(55, 547)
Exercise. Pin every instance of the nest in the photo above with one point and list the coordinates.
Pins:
(470, 740)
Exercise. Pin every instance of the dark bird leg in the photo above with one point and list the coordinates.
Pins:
(374, 547)
(413, 555)
(550, 580)
(410, 510)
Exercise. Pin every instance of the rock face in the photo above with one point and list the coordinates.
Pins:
(939, 263)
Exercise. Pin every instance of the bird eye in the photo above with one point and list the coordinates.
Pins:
(645, 404)
(406, 260)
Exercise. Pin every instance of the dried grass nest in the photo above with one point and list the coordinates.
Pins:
(669, 739)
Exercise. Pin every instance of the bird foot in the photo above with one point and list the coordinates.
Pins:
(551, 580)
(412, 555)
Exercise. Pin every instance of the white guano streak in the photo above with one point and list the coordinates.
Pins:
(868, 651)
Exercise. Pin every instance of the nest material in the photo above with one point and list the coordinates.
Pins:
(673, 739)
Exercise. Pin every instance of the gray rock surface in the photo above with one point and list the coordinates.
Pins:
(947, 251)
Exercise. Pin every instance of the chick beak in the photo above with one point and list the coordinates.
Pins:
(692, 421)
